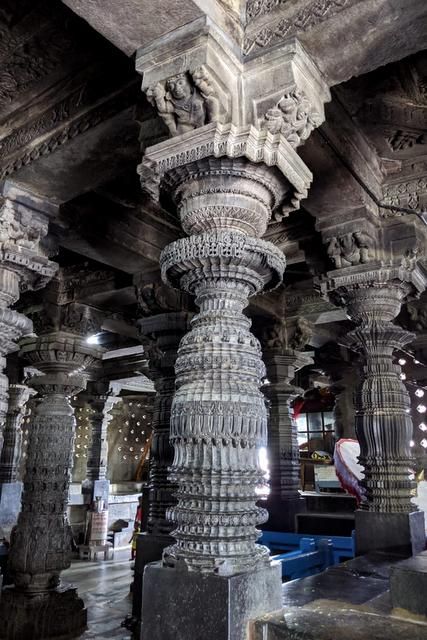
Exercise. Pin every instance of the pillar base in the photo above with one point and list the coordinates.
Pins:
(179, 604)
(282, 514)
(58, 614)
(402, 533)
(10, 506)
(149, 548)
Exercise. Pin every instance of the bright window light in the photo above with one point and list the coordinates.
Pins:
(93, 339)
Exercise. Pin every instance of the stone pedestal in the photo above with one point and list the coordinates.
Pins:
(208, 607)
(10, 506)
(149, 548)
(390, 532)
(59, 614)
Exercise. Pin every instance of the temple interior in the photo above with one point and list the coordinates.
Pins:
(213, 319)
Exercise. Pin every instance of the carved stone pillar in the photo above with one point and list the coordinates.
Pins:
(38, 605)
(230, 165)
(372, 298)
(161, 335)
(10, 487)
(101, 399)
(218, 415)
(284, 500)
(23, 265)
(11, 452)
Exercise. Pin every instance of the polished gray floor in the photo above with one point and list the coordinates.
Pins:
(104, 587)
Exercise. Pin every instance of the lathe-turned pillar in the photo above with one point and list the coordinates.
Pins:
(229, 166)
(284, 500)
(161, 334)
(38, 606)
(387, 518)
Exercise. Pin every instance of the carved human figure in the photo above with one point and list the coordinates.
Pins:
(303, 333)
(350, 252)
(185, 102)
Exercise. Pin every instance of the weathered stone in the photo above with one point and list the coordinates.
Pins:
(403, 533)
(207, 606)
(408, 585)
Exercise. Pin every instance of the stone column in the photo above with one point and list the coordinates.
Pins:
(11, 452)
(218, 415)
(387, 518)
(161, 335)
(230, 164)
(284, 500)
(23, 265)
(10, 486)
(101, 400)
(38, 606)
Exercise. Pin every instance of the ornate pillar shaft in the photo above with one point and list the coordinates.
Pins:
(11, 452)
(218, 417)
(165, 331)
(101, 401)
(382, 419)
(283, 451)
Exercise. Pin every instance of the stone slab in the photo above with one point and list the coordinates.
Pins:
(10, 506)
(408, 585)
(328, 621)
(390, 532)
(179, 605)
(58, 614)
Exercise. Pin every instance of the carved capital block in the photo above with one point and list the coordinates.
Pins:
(195, 77)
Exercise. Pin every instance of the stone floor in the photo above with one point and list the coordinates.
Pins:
(347, 602)
(104, 587)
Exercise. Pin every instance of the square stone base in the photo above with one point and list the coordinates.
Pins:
(149, 548)
(408, 585)
(58, 614)
(179, 604)
(402, 533)
(10, 506)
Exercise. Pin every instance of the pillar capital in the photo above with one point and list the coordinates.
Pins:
(374, 292)
(216, 104)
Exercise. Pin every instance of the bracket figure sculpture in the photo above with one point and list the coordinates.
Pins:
(350, 249)
(186, 101)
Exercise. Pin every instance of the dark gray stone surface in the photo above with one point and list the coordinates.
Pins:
(149, 548)
(327, 621)
(10, 506)
(391, 532)
(206, 606)
(408, 584)
(59, 614)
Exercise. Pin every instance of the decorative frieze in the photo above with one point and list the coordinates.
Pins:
(307, 17)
